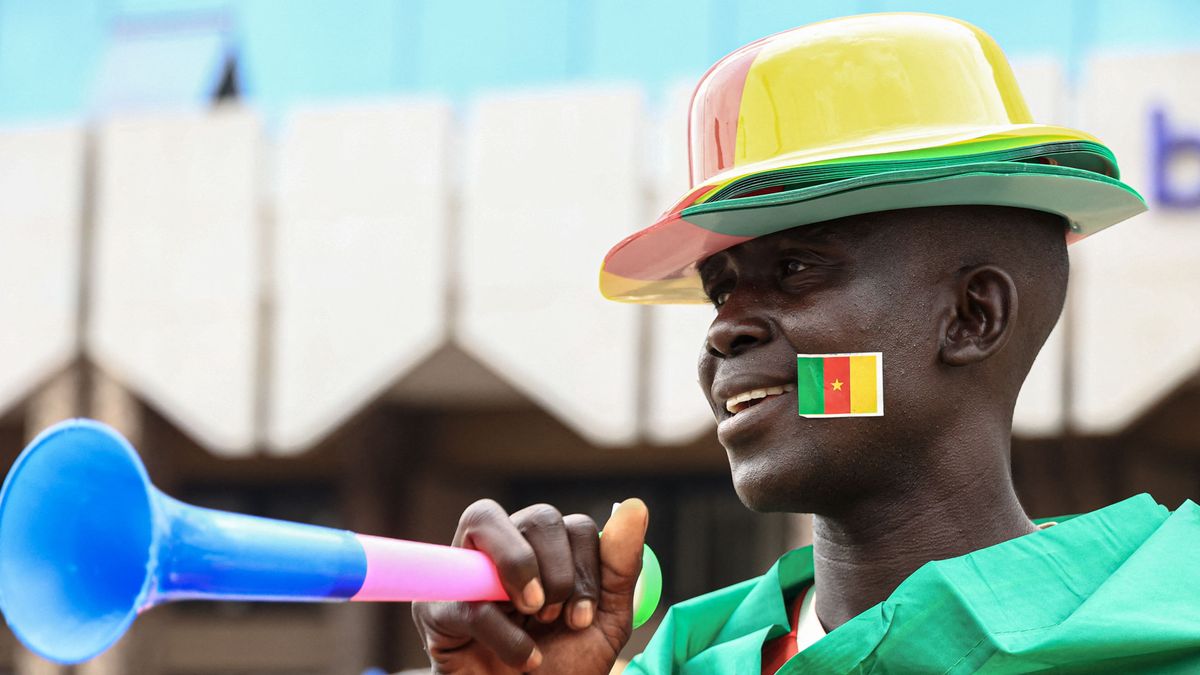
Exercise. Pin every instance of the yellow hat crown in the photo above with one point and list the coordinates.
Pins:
(860, 85)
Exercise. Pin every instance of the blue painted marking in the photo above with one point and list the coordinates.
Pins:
(1167, 142)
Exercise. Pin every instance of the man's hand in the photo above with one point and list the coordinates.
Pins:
(572, 591)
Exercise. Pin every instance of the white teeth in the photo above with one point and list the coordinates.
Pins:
(732, 405)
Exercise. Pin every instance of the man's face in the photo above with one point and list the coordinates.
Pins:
(856, 285)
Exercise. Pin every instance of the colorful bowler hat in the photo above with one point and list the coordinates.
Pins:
(855, 115)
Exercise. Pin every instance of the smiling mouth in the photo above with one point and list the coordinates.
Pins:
(749, 399)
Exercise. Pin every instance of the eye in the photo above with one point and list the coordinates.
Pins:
(718, 293)
(793, 266)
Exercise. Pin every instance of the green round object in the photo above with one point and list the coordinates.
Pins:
(648, 591)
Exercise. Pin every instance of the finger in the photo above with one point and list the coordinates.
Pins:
(621, 562)
(542, 526)
(428, 614)
(485, 526)
(585, 548)
(450, 625)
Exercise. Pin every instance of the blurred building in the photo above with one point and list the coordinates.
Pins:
(340, 267)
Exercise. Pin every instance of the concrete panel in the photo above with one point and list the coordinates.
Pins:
(177, 268)
(360, 243)
(1137, 284)
(552, 180)
(41, 190)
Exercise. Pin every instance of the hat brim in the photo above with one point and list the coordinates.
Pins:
(658, 264)
(940, 143)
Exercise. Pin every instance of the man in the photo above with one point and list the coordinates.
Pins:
(870, 185)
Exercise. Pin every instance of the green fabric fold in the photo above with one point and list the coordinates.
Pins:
(1115, 590)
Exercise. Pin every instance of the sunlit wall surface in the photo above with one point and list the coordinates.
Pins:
(466, 153)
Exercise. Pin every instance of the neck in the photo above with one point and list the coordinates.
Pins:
(862, 554)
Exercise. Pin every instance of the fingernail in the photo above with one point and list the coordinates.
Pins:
(533, 595)
(534, 660)
(549, 613)
(645, 514)
(581, 614)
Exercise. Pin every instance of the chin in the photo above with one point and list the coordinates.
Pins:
(768, 486)
(797, 477)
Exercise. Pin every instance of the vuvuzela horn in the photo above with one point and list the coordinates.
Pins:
(87, 543)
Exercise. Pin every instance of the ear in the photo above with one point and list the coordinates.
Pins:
(983, 317)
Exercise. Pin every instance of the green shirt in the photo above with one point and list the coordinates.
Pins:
(1115, 590)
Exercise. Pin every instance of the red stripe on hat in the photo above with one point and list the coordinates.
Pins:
(716, 104)
(664, 250)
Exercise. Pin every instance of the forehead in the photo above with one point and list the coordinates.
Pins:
(900, 232)
(819, 235)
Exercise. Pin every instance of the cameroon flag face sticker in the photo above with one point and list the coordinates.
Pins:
(840, 385)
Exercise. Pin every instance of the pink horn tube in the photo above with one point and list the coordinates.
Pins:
(399, 570)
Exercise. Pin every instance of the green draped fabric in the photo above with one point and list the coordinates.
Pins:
(1116, 590)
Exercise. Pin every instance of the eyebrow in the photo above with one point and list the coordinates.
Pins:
(712, 264)
(819, 233)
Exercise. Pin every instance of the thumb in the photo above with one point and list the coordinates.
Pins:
(621, 562)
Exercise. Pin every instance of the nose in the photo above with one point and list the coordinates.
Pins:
(734, 332)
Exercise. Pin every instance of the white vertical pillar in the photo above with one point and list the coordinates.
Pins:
(41, 192)
(360, 269)
(552, 180)
(1138, 320)
(175, 283)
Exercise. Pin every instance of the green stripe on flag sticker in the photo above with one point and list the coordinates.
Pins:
(810, 384)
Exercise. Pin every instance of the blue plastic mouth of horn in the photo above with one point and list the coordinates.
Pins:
(76, 541)
(87, 543)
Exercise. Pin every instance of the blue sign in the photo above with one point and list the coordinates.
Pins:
(1169, 144)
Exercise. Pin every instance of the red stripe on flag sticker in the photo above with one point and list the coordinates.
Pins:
(837, 385)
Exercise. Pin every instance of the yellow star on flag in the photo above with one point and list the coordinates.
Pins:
(837, 385)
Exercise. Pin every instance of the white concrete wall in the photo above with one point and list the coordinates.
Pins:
(41, 201)
(551, 181)
(260, 290)
(176, 277)
(359, 264)
(1138, 285)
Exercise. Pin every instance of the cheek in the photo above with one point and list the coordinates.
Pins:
(895, 316)
(849, 326)
(706, 368)
(905, 333)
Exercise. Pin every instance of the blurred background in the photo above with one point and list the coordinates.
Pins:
(336, 262)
